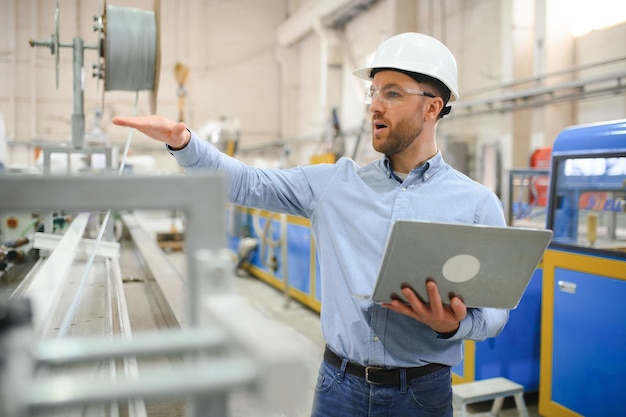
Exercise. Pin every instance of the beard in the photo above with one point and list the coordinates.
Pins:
(399, 137)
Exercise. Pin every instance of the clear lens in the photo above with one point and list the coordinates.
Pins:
(391, 94)
(369, 93)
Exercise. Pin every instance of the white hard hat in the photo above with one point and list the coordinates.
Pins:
(419, 53)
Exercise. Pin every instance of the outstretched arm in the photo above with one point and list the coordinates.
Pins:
(175, 135)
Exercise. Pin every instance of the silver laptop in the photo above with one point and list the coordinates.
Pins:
(486, 266)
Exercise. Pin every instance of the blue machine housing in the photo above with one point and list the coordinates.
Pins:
(589, 143)
(583, 336)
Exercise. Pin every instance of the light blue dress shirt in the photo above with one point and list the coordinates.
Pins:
(351, 209)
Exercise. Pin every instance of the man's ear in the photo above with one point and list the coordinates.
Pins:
(434, 107)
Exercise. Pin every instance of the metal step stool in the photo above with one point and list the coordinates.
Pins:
(496, 389)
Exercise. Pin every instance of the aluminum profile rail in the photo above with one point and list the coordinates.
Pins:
(222, 351)
(104, 249)
(44, 289)
(200, 196)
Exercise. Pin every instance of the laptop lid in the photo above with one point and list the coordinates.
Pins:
(486, 266)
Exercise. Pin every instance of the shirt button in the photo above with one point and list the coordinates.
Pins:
(376, 339)
(425, 176)
(403, 188)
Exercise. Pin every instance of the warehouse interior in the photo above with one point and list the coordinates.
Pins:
(111, 241)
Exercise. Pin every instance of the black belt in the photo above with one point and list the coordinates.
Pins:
(377, 375)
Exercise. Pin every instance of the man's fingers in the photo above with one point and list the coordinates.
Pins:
(458, 308)
(120, 121)
(134, 121)
(433, 293)
(432, 312)
(412, 298)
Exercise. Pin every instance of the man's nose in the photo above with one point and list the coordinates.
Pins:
(376, 106)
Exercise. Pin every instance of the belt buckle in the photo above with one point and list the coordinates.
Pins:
(367, 374)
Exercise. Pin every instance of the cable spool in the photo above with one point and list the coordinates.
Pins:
(131, 50)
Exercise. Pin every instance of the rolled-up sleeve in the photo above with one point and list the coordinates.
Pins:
(481, 323)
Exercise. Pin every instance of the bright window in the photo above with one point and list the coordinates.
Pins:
(585, 16)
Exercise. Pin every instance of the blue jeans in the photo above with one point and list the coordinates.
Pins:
(339, 394)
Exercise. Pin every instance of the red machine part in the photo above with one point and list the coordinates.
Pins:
(12, 222)
(540, 159)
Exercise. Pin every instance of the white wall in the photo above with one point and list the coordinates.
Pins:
(602, 46)
(277, 93)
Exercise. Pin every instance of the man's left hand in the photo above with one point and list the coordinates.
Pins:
(442, 318)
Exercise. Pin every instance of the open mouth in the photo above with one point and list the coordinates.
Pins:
(378, 126)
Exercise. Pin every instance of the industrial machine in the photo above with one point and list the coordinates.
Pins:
(70, 311)
(283, 254)
(583, 339)
(66, 345)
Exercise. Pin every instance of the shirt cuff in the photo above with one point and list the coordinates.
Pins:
(447, 335)
(464, 329)
(170, 149)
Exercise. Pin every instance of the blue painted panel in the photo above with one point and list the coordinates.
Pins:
(274, 253)
(514, 353)
(233, 234)
(589, 344)
(459, 369)
(299, 258)
(256, 259)
(594, 138)
(233, 242)
(264, 253)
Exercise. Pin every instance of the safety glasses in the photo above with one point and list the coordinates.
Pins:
(392, 94)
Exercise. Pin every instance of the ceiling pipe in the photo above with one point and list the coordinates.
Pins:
(34, 20)
(332, 12)
(13, 54)
(605, 85)
(320, 31)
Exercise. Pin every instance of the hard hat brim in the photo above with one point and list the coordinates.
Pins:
(364, 73)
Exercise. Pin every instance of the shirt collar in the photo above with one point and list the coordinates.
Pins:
(423, 172)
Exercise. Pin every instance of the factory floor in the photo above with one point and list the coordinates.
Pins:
(272, 303)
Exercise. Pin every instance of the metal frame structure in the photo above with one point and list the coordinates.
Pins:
(204, 210)
(221, 350)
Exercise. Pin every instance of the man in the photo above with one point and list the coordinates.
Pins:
(392, 359)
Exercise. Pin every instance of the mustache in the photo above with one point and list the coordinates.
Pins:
(377, 121)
